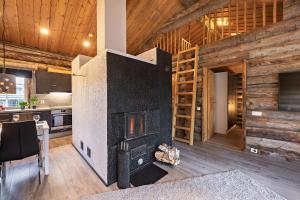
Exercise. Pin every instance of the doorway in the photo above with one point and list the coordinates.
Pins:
(224, 89)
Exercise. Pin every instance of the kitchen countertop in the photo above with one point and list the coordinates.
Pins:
(37, 109)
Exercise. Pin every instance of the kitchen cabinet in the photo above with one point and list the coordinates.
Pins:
(47, 82)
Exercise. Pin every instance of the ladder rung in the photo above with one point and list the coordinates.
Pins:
(188, 50)
(186, 61)
(181, 139)
(184, 116)
(182, 128)
(184, 105)
(186, 71)
(185, 82)
(184, 93)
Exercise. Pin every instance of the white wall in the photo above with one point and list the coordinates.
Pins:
(89, 97)
(111, 25)
(221, 95)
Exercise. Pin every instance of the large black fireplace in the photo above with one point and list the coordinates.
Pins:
(139, 108)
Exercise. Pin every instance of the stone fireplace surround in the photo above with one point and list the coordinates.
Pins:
(109, 88)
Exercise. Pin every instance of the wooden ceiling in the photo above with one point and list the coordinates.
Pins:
(70, 22)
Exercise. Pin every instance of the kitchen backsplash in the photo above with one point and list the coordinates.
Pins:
(54, 99)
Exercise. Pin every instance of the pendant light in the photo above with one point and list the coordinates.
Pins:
(7, 81)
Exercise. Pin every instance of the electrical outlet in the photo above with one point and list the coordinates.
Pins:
(256, 113)
(254, 150)
(81, 145)
(198, 108)
(88, 152)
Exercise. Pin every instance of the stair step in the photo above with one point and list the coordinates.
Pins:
(186, 71)
(184, 116)
(184, 105)
(181, 139)
(185, 82)
(182, 128)
(184, 93)
(186, 61)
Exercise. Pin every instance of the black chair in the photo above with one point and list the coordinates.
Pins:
(18, 141)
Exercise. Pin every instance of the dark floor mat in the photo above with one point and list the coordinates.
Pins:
(148, 175)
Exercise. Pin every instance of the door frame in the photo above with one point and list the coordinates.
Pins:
(207, 109)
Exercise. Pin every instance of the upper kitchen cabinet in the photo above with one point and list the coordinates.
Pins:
(47, 82)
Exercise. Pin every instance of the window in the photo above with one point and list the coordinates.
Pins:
(12, 100)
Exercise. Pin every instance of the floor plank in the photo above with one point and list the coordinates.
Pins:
(70, 177)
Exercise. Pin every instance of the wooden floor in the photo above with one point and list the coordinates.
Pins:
(234, 139)
(70, 177)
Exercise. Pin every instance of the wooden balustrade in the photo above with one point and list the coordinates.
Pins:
(239, 16)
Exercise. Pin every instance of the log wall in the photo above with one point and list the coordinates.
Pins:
(267, 52)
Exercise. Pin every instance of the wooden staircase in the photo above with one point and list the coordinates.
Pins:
(239, 100)
(185, 95)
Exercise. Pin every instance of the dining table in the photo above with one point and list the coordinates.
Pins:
(42, 128)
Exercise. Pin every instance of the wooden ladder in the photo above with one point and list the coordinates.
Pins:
(185, 95)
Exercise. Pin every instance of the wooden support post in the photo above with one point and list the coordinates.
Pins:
(264, 12)
(215, 26)
(203, 35)
(175, 41)
(245, 16)
(168, 42)
(171, 43)
(179, 41)
(254, 14)
(237, 16)
(164, 40)
(189, 32)
(160, 42)
(222, 34)
(274, 11)
(229, 18)
(208, 34)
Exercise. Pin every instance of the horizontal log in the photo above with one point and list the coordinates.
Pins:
(274, 148)
(270, 114)
(274, 69)
(19, 64)
(257, 80)
(276, 43)
(262, 92)
(274, 134)
(293, 46)
(291, 9)
(279, 124)
(265, 103)
(32, 55)
(262, 86)
(274, 59)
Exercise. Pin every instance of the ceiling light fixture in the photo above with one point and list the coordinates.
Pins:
(7, 81)
(86, 43)
(44, 31)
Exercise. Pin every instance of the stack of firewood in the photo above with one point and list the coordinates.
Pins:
(168, 154)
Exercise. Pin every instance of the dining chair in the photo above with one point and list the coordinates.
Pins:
(19, 140)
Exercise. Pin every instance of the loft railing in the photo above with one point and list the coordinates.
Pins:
(239, 16)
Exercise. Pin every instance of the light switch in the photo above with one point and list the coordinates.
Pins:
(256, 113)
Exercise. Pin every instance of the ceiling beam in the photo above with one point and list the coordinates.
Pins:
(196, 11)
(188, 3)
(34, 57)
